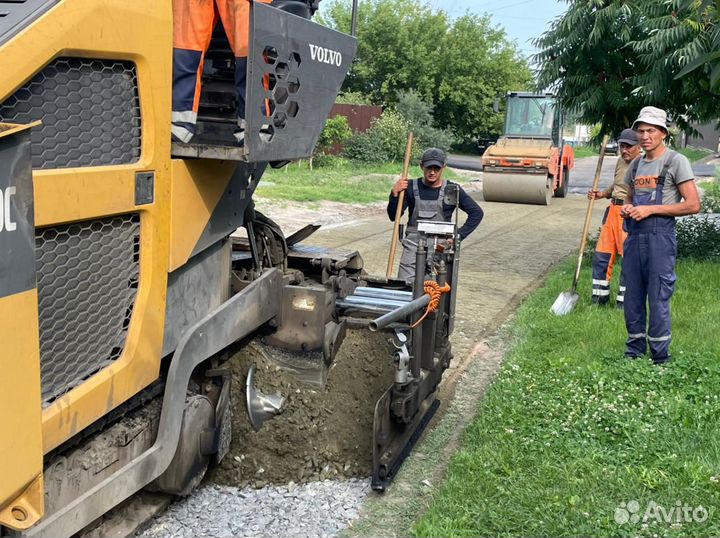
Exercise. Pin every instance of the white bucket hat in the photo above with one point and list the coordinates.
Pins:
(652, 116)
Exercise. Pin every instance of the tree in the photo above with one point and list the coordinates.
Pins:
(586, 59)
(606, 59)
(479, 65)
(706, 16)
(419, 116)
(398, 46)
(459, 66)
(680, 52)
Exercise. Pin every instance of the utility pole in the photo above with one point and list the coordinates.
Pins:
(353, 23)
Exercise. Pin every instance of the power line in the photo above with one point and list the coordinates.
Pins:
(509, 6)
(519, 18)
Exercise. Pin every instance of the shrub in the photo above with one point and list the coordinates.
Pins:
(335, 162)
(436, 138)
(392, 130)
(365, 148)
(698, 237)
(710, 201)
(384, 141)
(336, 132)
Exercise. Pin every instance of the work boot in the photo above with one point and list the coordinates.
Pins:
(661, 360)
(181, 134)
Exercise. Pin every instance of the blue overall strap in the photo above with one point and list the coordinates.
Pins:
(662, 176)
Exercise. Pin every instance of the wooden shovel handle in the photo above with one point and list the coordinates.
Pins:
(588, 215)
(399, 210)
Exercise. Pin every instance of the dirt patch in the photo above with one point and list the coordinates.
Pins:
(291, 216)
(324, 432)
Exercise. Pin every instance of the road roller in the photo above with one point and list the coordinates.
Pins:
(530, 163)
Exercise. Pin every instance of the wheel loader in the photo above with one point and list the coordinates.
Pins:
(529, 163)
(122, 286)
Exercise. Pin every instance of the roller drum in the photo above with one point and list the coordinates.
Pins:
(517, 188)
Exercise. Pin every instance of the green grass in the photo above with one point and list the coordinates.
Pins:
(571, 429)
(694, 154)
(346, 182)
(585, 151)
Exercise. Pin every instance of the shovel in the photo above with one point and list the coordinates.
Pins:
(567, 300)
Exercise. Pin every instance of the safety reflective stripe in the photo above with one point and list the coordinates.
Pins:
(620, 298)
(182, 133)
(602, 293)
(186, 116)
(241, 123)
(621, 289)
(637, 335)
(600, 282)
(659, 338)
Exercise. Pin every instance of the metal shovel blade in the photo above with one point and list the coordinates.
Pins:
(564, 304)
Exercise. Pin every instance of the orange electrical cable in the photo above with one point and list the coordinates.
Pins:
(434, 290)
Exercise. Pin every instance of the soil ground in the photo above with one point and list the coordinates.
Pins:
(327, 432)
(324, 432)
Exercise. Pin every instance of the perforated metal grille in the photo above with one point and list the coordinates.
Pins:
(87, 276)
(90, 111)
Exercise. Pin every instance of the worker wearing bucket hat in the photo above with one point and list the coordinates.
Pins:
(612, 236)
(425, 200)
(660, 188)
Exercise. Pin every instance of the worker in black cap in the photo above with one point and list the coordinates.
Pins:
(425, 200)
(612, 236)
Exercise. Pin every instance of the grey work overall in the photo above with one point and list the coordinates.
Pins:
(649, 268)
(423, 210)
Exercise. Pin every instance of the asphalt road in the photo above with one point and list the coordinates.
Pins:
(581, 176)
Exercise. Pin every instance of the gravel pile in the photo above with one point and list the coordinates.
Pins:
(316, 509)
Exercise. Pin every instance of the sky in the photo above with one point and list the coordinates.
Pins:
(523, 20)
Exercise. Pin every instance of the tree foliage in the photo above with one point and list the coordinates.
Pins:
(459, 66)
(608, 58)
(479, 65)
(419, 116)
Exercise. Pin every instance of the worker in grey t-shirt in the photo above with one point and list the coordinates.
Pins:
(660, 188)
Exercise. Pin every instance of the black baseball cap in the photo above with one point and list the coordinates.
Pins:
(432, 157)
(628, 136)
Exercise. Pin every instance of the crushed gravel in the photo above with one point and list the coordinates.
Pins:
(315, 509)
